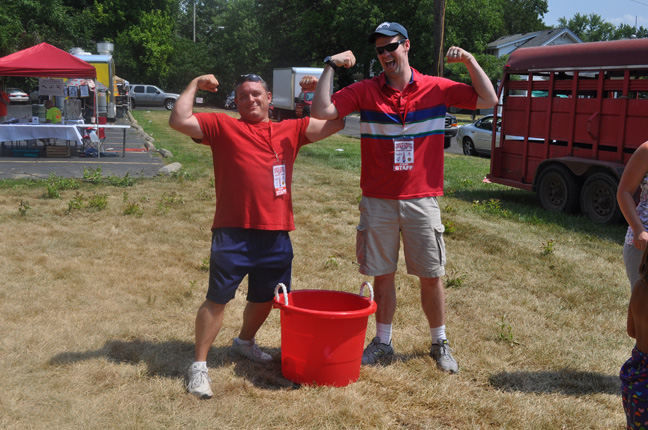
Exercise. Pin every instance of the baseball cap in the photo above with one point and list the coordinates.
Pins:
(388, 29)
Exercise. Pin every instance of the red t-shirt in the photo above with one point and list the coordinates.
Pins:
(244, 156)
(402, 133)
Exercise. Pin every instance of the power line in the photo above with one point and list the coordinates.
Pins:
(637, 1)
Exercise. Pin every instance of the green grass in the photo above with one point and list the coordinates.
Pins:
(195, 158)
(337, 151)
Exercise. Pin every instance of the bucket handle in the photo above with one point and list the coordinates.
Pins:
(370, 289)
(285, 294)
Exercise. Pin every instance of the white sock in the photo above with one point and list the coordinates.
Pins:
(202, 365)
(438, 334)
(384, 333)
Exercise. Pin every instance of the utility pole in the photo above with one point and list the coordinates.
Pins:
(194, 21)
(439, 32)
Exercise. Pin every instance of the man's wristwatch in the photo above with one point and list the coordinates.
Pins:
(331, 63)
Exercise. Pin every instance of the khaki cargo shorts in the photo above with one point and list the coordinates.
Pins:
(384, 221)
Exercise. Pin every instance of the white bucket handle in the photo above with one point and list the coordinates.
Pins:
(285, 294)
(370, 289)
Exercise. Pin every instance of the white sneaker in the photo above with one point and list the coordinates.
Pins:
(199, 383)
(251, 351)
(441, 352)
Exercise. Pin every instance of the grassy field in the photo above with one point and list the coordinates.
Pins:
(101, 280)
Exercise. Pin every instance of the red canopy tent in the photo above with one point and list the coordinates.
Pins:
(45, 60)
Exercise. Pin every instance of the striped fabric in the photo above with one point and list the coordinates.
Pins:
(423, 103)
(381, 125)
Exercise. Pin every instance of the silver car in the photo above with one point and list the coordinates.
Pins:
(150, 95)
(476, 138)
(17, 96)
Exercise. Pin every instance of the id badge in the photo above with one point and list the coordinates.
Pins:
(279, 176)
(403, 153)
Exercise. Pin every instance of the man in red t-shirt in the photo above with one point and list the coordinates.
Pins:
(402, 114)
(253, 163)
(4, 102)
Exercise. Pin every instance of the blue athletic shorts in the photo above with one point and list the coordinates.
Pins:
(264, 255)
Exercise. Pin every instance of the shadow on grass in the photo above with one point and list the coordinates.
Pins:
(171, 359)
(565, 381)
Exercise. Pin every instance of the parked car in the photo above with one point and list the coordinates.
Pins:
(17, 96)
(150, 95)
(476, 138)
(450, 130)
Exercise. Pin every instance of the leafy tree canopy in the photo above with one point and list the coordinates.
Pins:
(154, 39)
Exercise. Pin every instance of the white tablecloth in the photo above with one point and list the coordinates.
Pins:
(18, 132)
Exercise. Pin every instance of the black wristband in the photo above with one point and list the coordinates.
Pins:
(331, 63)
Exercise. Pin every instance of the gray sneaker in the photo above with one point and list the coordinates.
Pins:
(445, 361)
(251, 352)
(199, 383)
(376, 351)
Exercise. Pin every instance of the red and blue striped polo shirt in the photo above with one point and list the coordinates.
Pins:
(388, 116)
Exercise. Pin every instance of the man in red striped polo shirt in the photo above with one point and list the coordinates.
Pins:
(402, 115)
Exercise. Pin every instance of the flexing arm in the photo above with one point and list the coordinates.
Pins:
(486, 97)
(322, 107)
(320, 129)
(182, 118)
(633, 174)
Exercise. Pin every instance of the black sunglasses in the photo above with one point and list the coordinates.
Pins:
(248, 78)
(390, 48)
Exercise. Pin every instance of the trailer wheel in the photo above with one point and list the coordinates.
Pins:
(468, 146)
(558, 189)
(598, 199)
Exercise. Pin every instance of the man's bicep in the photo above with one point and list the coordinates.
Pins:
(319, 129)
(189, 126)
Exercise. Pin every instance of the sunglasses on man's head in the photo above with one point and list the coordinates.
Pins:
(389, 48)
(248, 78)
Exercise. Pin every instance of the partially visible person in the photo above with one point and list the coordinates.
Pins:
(634, 372)
(4, 102)
(402, 114)
(253, 163)
(635, 178)
(53, 115)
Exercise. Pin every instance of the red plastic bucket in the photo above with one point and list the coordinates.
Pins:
(323, 334)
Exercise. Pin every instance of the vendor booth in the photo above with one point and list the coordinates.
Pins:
(47, 61)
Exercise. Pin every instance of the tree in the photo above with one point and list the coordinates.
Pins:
(523, 16)
(145, 50)
(589, 28)
(625, 31)
(470, 24)
(28, 22)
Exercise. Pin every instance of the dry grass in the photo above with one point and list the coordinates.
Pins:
(97, 312)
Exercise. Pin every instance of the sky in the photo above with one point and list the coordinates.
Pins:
(613, 11)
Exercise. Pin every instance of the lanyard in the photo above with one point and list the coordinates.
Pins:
(404, 114)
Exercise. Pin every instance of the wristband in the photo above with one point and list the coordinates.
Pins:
(331, 63)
